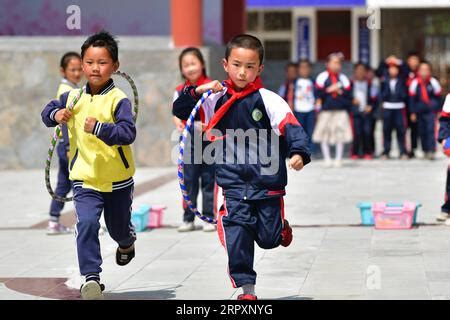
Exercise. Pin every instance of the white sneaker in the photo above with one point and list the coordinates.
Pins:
(441, 217)
(209, 227)
(92, 290)
(55, 228)
(447, 222)
(337, 163)
(327, 163)
(186, 227)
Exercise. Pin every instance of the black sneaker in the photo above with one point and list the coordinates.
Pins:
(92, 290)
(124, 258)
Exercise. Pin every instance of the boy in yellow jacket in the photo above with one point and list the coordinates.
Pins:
(101, 165)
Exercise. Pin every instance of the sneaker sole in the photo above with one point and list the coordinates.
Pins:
(57, 233)
(186, 230)
(91, 291)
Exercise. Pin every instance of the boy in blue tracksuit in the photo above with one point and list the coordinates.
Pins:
(253, 210)
(393, 96)
(101, 165)
(444, 134)
(425, 103)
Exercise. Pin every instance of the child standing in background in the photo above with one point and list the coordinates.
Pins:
(362, 114)
(192, 68)
(333, 89)
(71, 71)
(393, 95)
(425, 103)
(287, 89)
(304, 101)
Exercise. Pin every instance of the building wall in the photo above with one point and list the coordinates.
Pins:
(48, 17)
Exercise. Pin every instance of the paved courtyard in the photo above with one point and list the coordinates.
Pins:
(332, 255)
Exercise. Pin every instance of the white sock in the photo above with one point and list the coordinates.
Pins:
(325, 151)
(248, 289)
(339, 151)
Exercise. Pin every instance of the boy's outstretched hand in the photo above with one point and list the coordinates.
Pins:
(63, 115)
(215, 86)
(296, 162)
(89, 124)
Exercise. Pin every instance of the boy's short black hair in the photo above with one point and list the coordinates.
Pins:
(289, 65)
(360, 64)
(65, 59)
(304, 60)
(245, 41)
(102, 39)
(413, 53)
(427, 63)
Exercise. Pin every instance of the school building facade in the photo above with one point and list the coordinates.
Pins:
(364, 30)
(152, 33)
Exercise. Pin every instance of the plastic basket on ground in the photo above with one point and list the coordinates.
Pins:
(366, 212)
(140, 217)
(156, 216)
(394, 215)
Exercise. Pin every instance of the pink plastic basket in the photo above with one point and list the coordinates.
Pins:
(156, 216)
(394, 216)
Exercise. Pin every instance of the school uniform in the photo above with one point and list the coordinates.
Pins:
(394, 95)
(253, 190)
(408, 75)
(425, 102)
(362, 121)
(444, 133)
(101, 166)
(333, 123)
(304, 105)
(197, 173)
(63, 185)
(288, 92)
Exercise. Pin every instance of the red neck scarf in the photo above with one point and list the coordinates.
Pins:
(290, 93)
(423, 89)
(334, 79)
(235, 95)
(202, 80)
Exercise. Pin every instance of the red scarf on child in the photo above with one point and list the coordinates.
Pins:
(235, 95)
(334, 79)
(202, 80)
(423, 89)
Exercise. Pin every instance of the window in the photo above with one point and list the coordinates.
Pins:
(277, 21)
(253, 21)
(278, 49)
